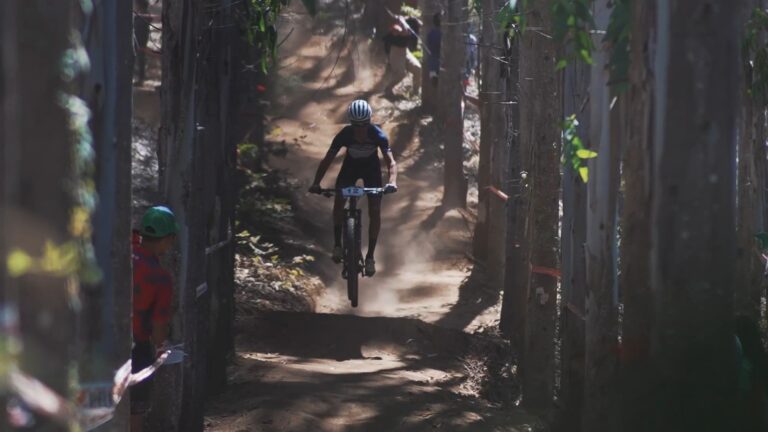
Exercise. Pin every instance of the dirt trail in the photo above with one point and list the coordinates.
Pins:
(396, 363)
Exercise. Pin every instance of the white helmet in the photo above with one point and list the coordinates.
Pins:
(359, 111)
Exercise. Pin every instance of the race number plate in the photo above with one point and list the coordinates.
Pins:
(352, 192)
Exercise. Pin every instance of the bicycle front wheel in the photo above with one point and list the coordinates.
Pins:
(352, 260)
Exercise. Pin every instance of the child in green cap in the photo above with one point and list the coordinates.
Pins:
(152, 295)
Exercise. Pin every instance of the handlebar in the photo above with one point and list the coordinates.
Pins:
(358, 191)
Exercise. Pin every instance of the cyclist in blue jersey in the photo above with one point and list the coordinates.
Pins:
(363, 140)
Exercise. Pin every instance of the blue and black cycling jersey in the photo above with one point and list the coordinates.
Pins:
(362, 159)
(375, 138)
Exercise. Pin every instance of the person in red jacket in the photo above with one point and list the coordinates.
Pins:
(152, 296)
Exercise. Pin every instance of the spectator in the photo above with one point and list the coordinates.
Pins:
(471, 63)
(152, 294)
(141, 37)
(400, 37)
(434, 40)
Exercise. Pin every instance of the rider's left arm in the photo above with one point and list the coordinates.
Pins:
(392, 167)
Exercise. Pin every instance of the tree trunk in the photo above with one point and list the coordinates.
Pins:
(38, 147)
(636, 228)
(540, 114)
(453, 53)
(491, 221)
(574, 232)
(693, 215)
(8, 146)
(197, 162)
(107, 89)
(517, 271)
(748, 267)
(601, 254)
(428, 90)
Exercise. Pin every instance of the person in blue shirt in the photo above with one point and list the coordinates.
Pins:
(434, 40)
(471, 63)
(363, 140)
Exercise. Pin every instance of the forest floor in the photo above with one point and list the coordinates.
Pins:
(419, 353)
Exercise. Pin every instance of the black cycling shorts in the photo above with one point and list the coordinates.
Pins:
(366, 169)
(142, 356)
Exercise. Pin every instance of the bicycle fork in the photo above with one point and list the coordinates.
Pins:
(358, 238)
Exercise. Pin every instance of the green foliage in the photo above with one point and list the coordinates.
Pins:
(410, 11)
(259, 22)
(574, 152)
(476, 6)
(755, 54)
(572, 23)
(512, 14)
(617, 38)
(77, 256)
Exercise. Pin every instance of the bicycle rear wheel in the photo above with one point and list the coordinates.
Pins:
(351, 259)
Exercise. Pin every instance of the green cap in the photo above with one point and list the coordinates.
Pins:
(159, 222)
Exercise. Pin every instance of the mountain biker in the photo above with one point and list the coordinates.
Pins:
(152, 296)
(362, 140)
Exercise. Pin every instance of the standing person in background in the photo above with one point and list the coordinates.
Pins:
(471, 65)
(434, 40)
(401, 61)
(141, 37)
(152, 295)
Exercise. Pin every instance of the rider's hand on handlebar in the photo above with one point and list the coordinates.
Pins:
(315, 189)
(390, 188)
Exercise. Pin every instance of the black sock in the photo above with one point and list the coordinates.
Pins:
(337, 235)
(371, 248)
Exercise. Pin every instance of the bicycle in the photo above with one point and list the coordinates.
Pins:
(352, 257)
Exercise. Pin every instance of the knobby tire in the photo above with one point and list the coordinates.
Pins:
(352, 260)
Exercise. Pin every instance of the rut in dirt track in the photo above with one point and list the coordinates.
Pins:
(404, 360)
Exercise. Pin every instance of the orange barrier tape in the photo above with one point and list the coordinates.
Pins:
(555, 273)
(498, 193)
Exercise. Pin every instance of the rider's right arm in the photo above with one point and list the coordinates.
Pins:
(324, 165)
(336, 145)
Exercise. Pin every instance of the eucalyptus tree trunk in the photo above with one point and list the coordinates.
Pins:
(451, 116)
(601, 247)
(514, 307)
(107, 90)
(540, 114)
(37, 161)
(693, 215)
(574, 231)
(7, 113)
(748, 267)
(491, 222)
(428, 90)
(636, 227)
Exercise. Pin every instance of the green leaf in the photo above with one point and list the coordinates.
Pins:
(18, 263)
(586, 154)
(586, 56)
(561, 64)
(584, 173)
